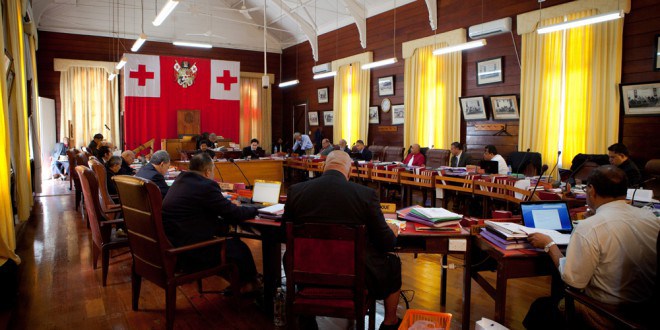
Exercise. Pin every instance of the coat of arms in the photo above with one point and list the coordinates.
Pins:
(185, 74)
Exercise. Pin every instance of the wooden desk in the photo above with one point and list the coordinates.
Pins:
(512, 264)
(262, 169)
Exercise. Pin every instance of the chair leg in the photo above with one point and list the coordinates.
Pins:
(372, 315)
(136, 284)
(359, 321)
(105, 263)
(170, 306)
(78, 198)
(95, 254)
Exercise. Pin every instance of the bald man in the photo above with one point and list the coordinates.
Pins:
(327, 148)
(127, 158)
(331, 198)
(415, 157)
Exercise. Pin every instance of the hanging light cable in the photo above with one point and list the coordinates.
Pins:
(143, 37)
(392, 59)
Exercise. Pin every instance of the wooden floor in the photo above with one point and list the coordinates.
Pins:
(60, 290)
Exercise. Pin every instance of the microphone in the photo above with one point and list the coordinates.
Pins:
(637, 186)
(543, 169)
(523, 161)
(106, 127)
(249, 186)
(557, 163)
(218, 170)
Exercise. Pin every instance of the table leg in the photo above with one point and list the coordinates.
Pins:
(443, 281)
(467, 284)
(272, 266)
(500, 293)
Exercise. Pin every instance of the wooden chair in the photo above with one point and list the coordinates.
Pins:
(386, 178)
(74, 181)
(154, 257)
(437, 157)
(652, 170)
(377, 152)
(424, 181)
(638, 316)
(108, 204)
(104, 237)
(392, 154)
(457, 186)
(328, 285)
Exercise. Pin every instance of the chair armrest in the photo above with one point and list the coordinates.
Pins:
(215, 241)
(111, 222)
(608, 310)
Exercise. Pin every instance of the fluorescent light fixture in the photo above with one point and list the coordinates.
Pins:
(112, 76)
(289, 83)
(164, 12)
(192, 44)
(139, 42)
(325, 75)
(460, 47)
(581, 22)
(379, 63)
(121, 63)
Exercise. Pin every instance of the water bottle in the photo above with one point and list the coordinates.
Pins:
(279, 302)
(509, 171)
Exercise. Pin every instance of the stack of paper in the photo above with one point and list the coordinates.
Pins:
(273, 212)
(512, 231)
(433, 217)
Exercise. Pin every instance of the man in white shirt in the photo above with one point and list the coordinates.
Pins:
(490, 153)
(303, 143)
(612, 254)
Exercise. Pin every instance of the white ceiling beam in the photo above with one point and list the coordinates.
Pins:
(432, 6)
(306, 28)
(357, 11)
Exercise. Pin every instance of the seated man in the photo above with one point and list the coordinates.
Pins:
(127, 158)
(112, 168)
(103, 154)
(458, 158)
(156, 169)
(316, 201)
(303, 144)
(204, 148)
(343, 146)
(60, 168)
(415, 157)
(327, 148)
(195, 210)
(619, 156)
(94, 145)
(362, 151)
(253, 151)
(212, 139)
(279, 147)
(490, 153)
(611, 255)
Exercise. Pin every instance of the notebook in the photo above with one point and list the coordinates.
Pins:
(547, 215)
(489, 166)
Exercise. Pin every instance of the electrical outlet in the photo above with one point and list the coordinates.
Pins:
(457, 244)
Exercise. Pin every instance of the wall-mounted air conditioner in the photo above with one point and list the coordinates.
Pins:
(322, 68)
(490, 28)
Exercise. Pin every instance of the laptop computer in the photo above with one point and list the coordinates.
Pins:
(490, 166)
(264, 193)
(547, 215)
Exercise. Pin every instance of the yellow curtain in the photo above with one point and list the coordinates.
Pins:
(36, 115)
(256, 111)
(351, 103)
(20, 147)
(90, 102)
(568, 89)
(432, 86)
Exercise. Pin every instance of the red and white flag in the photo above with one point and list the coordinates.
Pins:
(142, 76)
(225, 80)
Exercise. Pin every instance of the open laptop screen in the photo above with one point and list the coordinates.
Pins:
(546, 215)
(266, 192)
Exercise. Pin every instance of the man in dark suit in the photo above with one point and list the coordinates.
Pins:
(316, 201)
(195, 210)
(253, 151)
(204, 147)
(364, 153)
(458, 158)
(620, 157)
(112, 168)
(94, 145)
(103, 154)
(60, 168)
(154, 171)
(343, 146)
(127, 158)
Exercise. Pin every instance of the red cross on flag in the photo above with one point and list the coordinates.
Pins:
(225, 79)
(142, 76)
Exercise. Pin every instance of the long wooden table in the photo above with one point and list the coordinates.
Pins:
(262, 169)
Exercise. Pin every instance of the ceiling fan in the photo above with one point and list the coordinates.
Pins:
(243, 10)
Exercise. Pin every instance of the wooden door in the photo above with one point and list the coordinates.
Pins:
(300, 119)
(187, 122)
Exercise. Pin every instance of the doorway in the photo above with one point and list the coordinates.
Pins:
(300, 123)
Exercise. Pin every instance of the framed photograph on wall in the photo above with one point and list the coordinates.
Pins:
(656, 63)
(640, 99)
(313, 118)
(386, 86)
(473, 108)
(490, 71)
(323, 95)
(504, 107)
(328, 118)
(398, 114)
(373, 115)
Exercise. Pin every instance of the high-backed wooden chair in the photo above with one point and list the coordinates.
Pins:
(74, 181)
(327, 285)
(154, 257)
(652, 170)
(377, 152)
(107, 202)
(437, 157)
(104, 237)
(392, 154)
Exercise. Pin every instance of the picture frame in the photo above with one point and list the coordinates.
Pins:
(323, 94)
(398, 114)
(386, 86)
(640, 99)
(328, 118)
(473, 107)
(313, 118)
(656, 63)
(373, 115)
(504, 107)
(490, 71)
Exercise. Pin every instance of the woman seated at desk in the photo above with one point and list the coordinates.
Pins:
(204, 148)
(253, 150)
